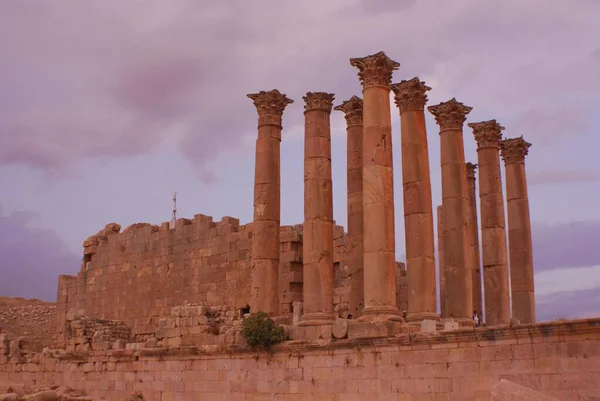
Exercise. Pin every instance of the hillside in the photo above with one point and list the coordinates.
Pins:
(29, 318)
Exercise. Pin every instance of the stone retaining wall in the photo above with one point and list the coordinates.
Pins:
(560, 359)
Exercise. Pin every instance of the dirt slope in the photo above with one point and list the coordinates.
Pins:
(30, 318)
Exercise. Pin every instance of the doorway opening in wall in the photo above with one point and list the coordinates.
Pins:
(244, 310)
(86, 259)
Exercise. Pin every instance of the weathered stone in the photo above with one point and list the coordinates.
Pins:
(428, 326)
(339, 329)
(353, 111)
(411, 97)
(513, 152)
(450, 117)
(265, 228)
(493, 235)
(507, 390)
(318, 211)
(375, 73)
(48, 395)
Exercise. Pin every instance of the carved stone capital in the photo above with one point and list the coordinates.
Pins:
(471, 167)
(375, 70)
(353, 110)
(487, 134)
(411, 94)
(318, 101)
(514, 150)
(451, 114)
(270, 106)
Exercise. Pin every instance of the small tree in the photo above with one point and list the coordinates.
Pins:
(260, 331)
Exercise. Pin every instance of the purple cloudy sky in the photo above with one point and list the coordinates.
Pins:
(106, 107)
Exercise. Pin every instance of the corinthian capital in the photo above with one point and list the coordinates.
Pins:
(270, 106)
(450, 115)
(487, 134)
(375, 70)
(318, 101)
(471, 167)
(353, 110)
(411, 94)
(514, 150)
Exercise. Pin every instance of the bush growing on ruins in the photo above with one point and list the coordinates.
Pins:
(260, 331)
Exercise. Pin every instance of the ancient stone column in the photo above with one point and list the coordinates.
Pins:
(264, 293)
(474, 236)
(493, 233)
(418, 208)
(353, 110)
(441, 272)
(514, 151)
(317, 244)
(375, 73)
(451, 116)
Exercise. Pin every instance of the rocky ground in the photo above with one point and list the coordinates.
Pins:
(29, 318)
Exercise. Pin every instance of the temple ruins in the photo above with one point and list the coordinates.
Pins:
(157, 309)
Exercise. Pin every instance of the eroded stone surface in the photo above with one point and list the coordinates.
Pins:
(353, 112)
(410, 98)
(514, 151)
(507, 390)
(375, 73)
(318, 211)
(450, 116)
(493, 232)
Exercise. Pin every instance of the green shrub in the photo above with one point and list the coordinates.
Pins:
(260, 331)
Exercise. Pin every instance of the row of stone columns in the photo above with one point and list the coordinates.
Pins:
(494, 250)
(371, 224)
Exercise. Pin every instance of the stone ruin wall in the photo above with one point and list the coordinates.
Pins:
(559, 359)
(139, 275)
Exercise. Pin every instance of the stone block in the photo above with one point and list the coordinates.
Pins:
(311, 333)
(507, 390)
(376, 329)
(297, 308)
(428, 326)
(339, 329)
(450, 324)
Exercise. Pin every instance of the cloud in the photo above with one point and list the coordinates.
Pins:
(32, 259)
(561, 176)
(567, 270)
(85, 79)
(564, 245)
(581, 304)
(567, 280)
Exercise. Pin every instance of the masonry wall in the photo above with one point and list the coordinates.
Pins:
(559, 359)
(138, 275)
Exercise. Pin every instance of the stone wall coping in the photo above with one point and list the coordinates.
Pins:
(487, 336)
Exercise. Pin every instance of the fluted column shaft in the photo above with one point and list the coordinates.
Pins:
(317, 235)
(474, 236)
(375, 73)
(264, 286)
(418, 208)
(519, 230)
(450, 116)
(493, 233)
(441, 271)
(353, 110)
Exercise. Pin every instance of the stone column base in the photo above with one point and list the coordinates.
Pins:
(418, 317)
(384, 312)
(467, 323)
(316, 319)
